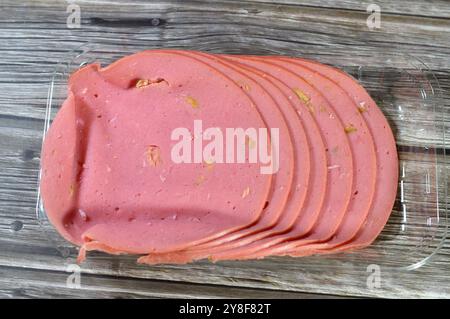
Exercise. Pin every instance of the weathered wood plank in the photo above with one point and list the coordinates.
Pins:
(305, 275)
(31, 283)
(286, 29)
(434, 8)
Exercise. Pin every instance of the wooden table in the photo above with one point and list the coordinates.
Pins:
(34, 37)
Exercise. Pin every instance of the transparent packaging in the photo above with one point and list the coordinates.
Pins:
(407, 93)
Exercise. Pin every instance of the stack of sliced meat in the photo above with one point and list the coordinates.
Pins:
(110, 182)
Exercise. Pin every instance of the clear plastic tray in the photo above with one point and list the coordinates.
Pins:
(408, 94)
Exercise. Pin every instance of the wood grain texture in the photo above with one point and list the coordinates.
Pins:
(34, 38)
(30, 283)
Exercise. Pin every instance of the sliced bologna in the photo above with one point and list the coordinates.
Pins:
(273, 219)
(387, 163)
(109, 182)
(125, 194)
(314, 108)
(364, 165)
(283, 178)
(250, 82)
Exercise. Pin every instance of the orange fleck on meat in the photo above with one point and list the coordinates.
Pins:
(153, 155)
(304, 98)
(193, 102)
(251, 143)
(209, 164)
(142, 83)
(361, 109)
(350, 129)
(200, 179)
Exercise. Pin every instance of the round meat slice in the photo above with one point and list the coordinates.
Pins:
(387, 164)
(361, 143)
(109, 179)
(314, 110)
(292, 107)
(272, 215)
(363, 149)
(284, 173)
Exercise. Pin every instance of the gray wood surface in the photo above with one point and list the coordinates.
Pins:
(35, 38)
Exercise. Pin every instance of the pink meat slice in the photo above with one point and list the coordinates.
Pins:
(61, 155)
(293, 106)
(339, 163)
(120, 73)
(364, 157)
(317, 178)
(364, 176)
(272, 214)
(103, 149)
(387, 164)
(103, 185)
